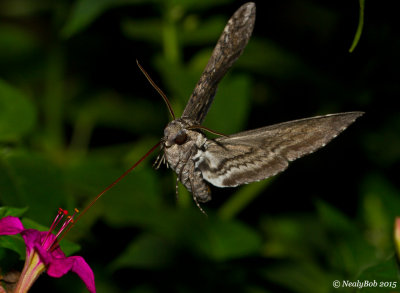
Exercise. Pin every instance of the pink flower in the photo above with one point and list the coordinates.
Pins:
(397, 236)
(44, 254)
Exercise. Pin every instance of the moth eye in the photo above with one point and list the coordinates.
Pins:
(180, 138)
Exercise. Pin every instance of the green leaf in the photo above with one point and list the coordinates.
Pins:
(349, 250)
(231, 105)
(148, 251)
(267, 57)
(69, 247)
(132, 200)
(31, 224)
(87, 11)
(295, 237)
(180, 82)
(17, 113)
(299, 277)
(385, 273)
(190, 31)
(241, 198)
(109, 109)
(225, 240)
(14, 243)
(10, 211)
(197, 5)
(30, 180)
(149, 30)
(15, 43)
(333, 219)
(217, 240)
(196, 32)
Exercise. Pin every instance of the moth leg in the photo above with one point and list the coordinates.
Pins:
(178, 178)
(176, 188)
(156, 163)
(159, 160)
(195, 200)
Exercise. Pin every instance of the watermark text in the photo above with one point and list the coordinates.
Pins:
(364, 284)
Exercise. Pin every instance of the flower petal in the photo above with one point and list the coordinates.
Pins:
(55, 261)
(83, 270)
(10, 225)
(57, 253)
(397, 236)
(32, 237)
(60, 266)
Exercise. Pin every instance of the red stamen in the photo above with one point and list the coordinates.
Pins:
(60, 214)
(64, 225)
(69, 220)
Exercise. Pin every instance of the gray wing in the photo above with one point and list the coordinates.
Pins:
(229, 47)
(261, 153)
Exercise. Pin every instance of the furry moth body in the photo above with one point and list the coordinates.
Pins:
(246, 156)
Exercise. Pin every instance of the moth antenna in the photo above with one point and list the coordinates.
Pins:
(206, 129)
(157, 89)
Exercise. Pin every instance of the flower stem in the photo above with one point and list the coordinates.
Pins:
(32, 269)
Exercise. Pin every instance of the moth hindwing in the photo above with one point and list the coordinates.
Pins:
(246, 156)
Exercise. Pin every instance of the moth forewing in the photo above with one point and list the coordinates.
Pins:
(264, 152)
(229, 47)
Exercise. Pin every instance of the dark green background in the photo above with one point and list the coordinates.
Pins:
(75, 112)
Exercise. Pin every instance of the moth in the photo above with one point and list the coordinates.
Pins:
(245, 157)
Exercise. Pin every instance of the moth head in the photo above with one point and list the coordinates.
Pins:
(174, 134)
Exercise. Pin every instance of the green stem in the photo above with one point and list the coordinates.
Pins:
(53, 100)
(83, 128)
(241, 199)
(32, 269)
(359, 28)
(170, 35)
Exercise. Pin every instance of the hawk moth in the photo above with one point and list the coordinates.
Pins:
(247, 156)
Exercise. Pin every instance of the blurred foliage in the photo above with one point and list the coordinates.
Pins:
(75, 112)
